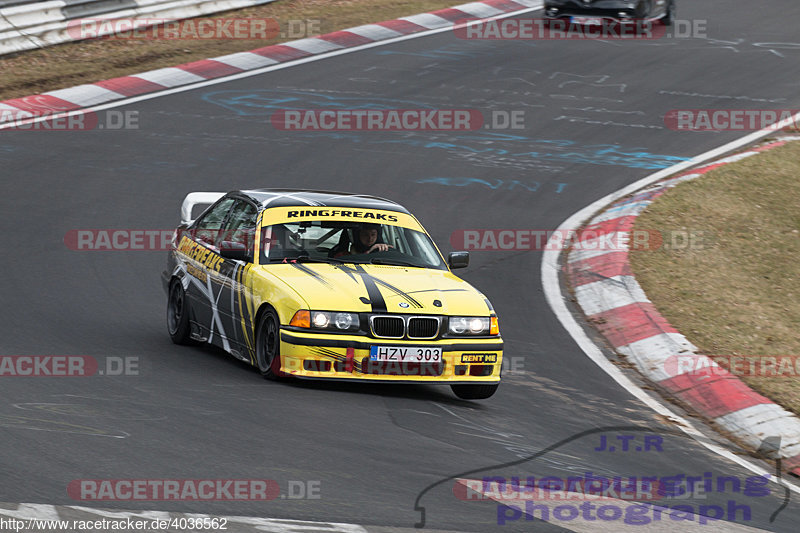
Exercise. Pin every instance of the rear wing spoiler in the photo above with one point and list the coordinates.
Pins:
(197, 198)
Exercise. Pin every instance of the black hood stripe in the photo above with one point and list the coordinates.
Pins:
(375, 296)
(437, 290)
(373, 293)
(399, 292)
(319, 277)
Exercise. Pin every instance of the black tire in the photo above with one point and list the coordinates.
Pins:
(178, 315)
(669, 16)
(268, 345)
(474, 392)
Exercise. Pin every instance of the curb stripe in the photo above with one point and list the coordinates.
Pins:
(754, 424)
(623, 223)
(314, 45)
(401, 26)
(619, 295)
(246, 60)
(41, 103)
(429, 21)
(281, 53)
(170, 76)
(85, 95)
(130, 86)
(659, 352)
(631, 323)
(452, 14)
(479, 10)
(374, 32)
(504, 5)
(346, 38)
(718, 396)
(208, 68)
(598, 268)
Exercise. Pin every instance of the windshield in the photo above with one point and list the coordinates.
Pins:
(348, 242)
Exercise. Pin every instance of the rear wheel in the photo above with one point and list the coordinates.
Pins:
(474, 392)
(268, 344)
(178, 314)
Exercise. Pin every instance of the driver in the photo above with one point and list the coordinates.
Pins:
(367, 239)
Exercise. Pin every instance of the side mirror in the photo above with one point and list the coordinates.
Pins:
(234, 250)
(458, 260)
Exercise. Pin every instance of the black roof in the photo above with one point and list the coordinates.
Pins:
(305, 198)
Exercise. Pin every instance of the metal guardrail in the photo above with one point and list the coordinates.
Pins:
(25, 25)
(90, 8)
(11, 3)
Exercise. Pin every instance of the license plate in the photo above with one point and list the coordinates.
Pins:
(587, 21)
(406, 354)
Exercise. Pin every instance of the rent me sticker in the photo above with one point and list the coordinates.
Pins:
(479, 358)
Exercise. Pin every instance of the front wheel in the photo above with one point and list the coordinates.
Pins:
(178, 315)
(268, 344)
(474, 392)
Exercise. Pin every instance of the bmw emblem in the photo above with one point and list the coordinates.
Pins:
(403, 305)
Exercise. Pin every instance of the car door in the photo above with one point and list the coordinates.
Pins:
(238, 234)
(204, 260)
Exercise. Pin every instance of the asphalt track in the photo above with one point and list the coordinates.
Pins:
(195, 413)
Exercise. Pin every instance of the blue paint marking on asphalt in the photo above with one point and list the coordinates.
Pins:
(473, 145)
(264, 102)
(640, 205)
(595, 154)
(495, 184)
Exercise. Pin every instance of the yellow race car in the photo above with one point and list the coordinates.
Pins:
(325, 285)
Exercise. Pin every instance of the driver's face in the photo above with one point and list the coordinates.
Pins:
(368, 236)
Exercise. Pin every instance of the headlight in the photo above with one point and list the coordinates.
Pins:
(473, 325)
(321, 320)
(330, 320)
(345, 320)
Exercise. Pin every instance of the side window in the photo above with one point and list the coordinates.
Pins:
(207, 228)
(241, 225)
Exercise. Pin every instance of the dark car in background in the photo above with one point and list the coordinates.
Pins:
(595, 11)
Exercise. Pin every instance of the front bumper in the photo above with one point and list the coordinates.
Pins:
(346, 357)
(609, 9)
